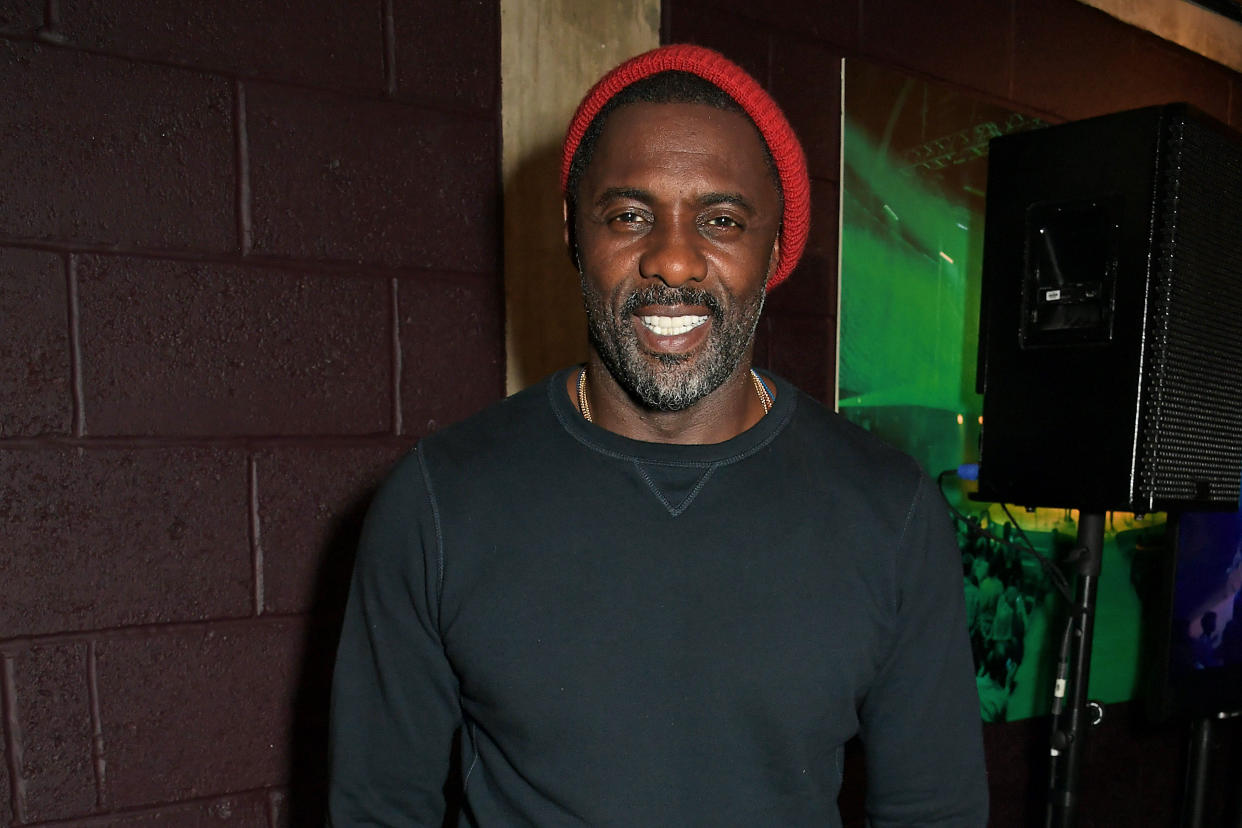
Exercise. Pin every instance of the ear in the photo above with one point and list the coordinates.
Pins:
(565, 222)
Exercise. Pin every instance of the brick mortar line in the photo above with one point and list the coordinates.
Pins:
(398, 362)
(97, 738)
(256, 541)
(378, 439)
(377, 94)
(13, 740)
(273, 809)
(245, 228)
(51, 19)
(11, 646)
(109, 818)
(390, 49)
(75, 347)
(264, 261)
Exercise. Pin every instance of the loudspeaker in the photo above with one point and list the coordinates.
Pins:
(1110, 344)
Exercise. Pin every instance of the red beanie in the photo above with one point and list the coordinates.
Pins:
(767, 116)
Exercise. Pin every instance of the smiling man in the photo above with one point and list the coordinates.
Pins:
(660, 588)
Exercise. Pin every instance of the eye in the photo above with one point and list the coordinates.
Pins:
(629, 220)
(722, 224)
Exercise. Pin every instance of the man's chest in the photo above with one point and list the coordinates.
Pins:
(667, 631)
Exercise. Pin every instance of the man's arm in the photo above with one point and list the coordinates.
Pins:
(920, 720)
(394, 697)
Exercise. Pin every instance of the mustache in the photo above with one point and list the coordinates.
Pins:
(665, 295)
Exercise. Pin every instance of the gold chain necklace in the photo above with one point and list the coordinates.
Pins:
(761, 390)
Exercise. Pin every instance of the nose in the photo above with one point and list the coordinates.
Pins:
(673, 254)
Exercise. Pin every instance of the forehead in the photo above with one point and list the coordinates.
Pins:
(686, 142)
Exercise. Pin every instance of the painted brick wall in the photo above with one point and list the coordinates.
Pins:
(248, 255)
(1056, 58)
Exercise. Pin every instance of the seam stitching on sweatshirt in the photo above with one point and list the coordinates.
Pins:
(474, 746)
(435, 517)
(675, 511)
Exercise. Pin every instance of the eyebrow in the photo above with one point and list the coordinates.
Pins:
(614, 193)
(705, 200)
(736, 199)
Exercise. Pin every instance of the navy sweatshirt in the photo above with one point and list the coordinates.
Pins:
(638, 634)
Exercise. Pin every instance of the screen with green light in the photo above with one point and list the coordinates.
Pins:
(914, 179)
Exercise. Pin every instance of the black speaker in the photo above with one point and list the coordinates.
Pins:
(1110, 342)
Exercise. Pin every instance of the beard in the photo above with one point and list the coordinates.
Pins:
(671, 382)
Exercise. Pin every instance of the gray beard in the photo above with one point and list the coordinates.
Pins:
(675, 382)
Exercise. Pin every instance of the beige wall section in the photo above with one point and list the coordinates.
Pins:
(551, 51)
(1209, 34)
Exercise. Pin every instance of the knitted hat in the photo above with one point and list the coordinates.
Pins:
(758, 104)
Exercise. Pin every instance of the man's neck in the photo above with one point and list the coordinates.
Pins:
(723, 414)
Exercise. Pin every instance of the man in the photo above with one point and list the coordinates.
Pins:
(660, 588)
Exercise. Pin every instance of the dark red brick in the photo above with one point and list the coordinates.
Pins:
(1078, 62)
(740, 40)
(1016, 754)
(198, 712)
(1171, 73)
(54, 713)
(452, 333)
(340, 44)
(806, 81)
(20, 17)
(966, 42)
(173, 348)
(244, 811)
(451, 57)
(111, 537)
(35, 395)
(112, 152)
(311, 504)
(829, 21)
(760, 355)
(6, 804)
(372, 181)
(1235, 102)
(802, 349)
(812, 288)
(1075, 62)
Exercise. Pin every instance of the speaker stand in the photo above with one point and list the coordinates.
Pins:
(1070, 718)
(1198, 773)
(1197, 761)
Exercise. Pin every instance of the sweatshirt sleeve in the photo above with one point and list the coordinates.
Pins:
(920, 725)
(395, 704)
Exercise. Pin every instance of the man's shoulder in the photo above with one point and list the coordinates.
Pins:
(845, 447)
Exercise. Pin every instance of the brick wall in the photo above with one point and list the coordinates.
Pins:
(1055, 58)
(249, 253)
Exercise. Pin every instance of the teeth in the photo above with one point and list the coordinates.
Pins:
(672, 325)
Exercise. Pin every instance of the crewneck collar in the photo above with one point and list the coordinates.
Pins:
(615, 445)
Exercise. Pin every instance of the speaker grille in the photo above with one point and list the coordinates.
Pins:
(1190, 434)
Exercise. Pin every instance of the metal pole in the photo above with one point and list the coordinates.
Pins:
(1070, 727)
(1197, 773)
(1235, 757)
